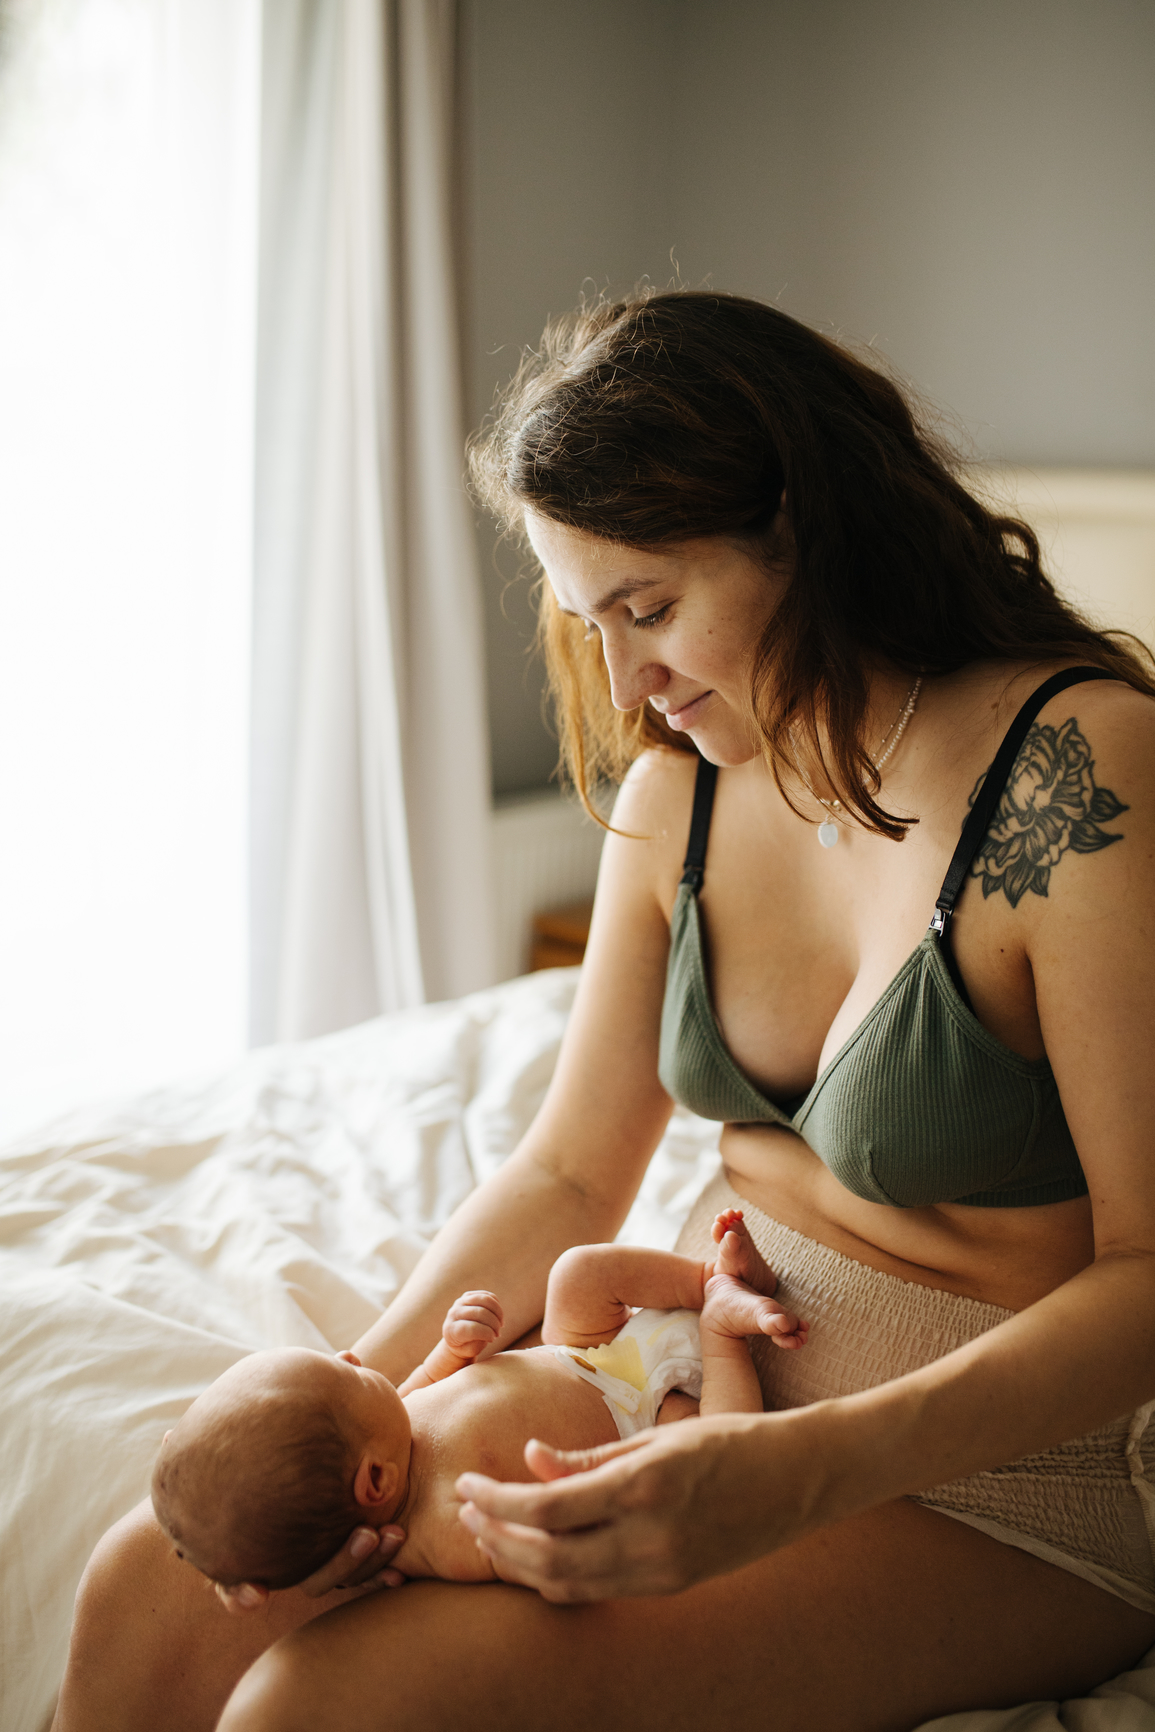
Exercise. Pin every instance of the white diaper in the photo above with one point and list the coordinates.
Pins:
(654, 1352)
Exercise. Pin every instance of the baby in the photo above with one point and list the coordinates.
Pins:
(267, 1473)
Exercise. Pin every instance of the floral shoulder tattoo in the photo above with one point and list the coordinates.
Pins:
(1050, 804)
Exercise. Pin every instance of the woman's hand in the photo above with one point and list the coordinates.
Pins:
(362, 1564)
(651, 1515)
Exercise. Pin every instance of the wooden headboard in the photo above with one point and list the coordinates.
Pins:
(1097, 528)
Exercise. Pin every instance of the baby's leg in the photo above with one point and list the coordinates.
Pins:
(592, 1289)
(734, 1310)
(676, 1407)
(729, 1381)
(739, 1258)
(739, 1255)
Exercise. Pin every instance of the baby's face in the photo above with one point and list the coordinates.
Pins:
(223, 1450)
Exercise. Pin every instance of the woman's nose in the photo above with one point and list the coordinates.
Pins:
(632, 680)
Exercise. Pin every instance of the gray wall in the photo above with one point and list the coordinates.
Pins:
(972, 186)
(567, 186)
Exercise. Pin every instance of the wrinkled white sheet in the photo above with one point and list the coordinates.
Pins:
(147, 1245)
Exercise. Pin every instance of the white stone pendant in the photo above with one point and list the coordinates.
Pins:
(828, 833)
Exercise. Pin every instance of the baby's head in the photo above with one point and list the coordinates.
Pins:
(273, 1466)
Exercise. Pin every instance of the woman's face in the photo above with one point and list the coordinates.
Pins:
(678, 627)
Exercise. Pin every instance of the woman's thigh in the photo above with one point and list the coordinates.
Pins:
(152, 1646)
(878, 1623)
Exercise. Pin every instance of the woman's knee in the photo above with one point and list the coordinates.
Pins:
(429, 1657)
(306, 1684)
(125, 1560)
(272, 1694)
(106, 1650)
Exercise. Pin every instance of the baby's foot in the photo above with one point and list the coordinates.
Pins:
(471, 1323)
(733, 1309)
(739, 1255)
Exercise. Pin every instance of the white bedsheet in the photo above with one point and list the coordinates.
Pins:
(147, 1245)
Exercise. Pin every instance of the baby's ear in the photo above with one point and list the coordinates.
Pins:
(375, 1482)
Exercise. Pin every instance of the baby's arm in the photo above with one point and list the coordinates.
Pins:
(471, 1324)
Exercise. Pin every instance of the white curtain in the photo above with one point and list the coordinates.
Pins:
(370, 822)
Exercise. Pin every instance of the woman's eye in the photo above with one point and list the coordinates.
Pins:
(657, 618)
(591, 629)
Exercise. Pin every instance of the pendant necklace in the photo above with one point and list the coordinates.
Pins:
(828, 829)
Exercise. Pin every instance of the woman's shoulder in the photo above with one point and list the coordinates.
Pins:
(651, 817)
(658, 790)
(1094, 721)
(983, 699)
(1007, 686)
(1082, 786)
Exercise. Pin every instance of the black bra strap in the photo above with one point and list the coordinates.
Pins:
(980, 815)
(694, 865)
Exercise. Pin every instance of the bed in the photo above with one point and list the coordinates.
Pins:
(148, 1244)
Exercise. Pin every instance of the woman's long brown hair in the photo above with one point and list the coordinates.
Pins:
(667, 417)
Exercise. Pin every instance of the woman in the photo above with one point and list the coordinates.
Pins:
(942, 1143)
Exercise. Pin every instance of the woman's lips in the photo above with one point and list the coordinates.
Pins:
(685, 718)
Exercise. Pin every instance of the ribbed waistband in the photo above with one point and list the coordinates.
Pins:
(1087, 1505)
(865, 1326)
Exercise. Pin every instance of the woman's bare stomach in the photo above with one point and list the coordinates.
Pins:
(1007, 1257)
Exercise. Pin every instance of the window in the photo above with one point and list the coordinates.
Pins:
(128, 242)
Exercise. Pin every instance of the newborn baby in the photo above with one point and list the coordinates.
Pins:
(268, 1472)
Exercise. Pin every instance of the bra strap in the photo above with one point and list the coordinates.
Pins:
(982, 812)
(694, 865)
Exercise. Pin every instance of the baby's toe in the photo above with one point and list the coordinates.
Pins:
(726, 1221)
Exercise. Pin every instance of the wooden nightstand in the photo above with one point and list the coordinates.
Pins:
(560, 934)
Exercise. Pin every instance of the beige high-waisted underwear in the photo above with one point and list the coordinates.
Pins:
(1087, 1505)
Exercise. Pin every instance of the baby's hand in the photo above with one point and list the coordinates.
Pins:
(472, 1322)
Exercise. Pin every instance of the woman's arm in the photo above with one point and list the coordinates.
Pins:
(664, 1511)
(576, 1172)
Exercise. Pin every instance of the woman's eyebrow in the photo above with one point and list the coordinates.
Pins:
(631, 586)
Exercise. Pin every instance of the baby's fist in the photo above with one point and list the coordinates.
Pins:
(471, 1324)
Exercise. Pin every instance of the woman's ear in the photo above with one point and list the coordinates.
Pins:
(375, 1482)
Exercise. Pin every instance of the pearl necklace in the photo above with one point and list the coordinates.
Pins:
(828, 829)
